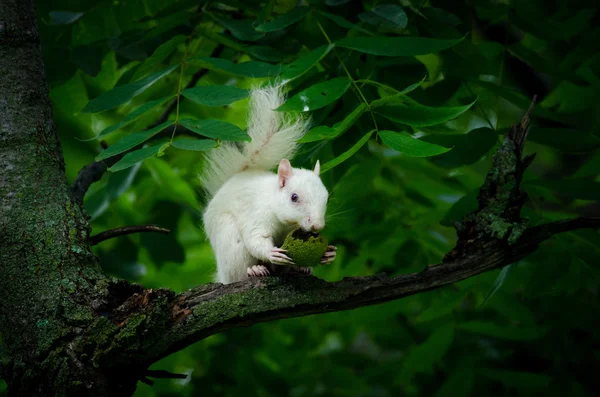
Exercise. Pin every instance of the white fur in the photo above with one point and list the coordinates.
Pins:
(274, 137)
(251, 210)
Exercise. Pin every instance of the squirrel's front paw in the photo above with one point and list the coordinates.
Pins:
(278, 256)
(329, 255)
(258, 271)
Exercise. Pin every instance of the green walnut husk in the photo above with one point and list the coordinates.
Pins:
(305, 248)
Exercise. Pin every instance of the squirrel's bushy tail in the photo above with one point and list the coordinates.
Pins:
(274, 136)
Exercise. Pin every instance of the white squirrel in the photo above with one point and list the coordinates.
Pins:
(251, 209)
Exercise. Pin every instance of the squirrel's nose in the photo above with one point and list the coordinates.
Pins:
(317, 226)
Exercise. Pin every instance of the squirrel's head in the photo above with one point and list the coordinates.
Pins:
(302, 198)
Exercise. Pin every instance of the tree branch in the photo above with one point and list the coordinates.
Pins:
(213, 308)
(122, 231)
(89, 174)
(489, 238)
(93, 172)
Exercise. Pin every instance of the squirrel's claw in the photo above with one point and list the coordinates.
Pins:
(329, 255)
(258, 271)
(277, 256)
(305, 271)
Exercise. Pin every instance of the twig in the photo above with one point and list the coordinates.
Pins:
(540, 233)
(122, 231)
(93, 172)
(162, 374)
(147, 381)
(89, 174)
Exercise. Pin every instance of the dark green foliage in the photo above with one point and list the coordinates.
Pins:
(215, 95)
(416, 97)
(317, 96)
(405, 143)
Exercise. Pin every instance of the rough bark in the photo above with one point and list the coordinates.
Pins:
(67, 329)
(48, 275)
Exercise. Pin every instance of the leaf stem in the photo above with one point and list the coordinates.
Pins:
(360, 93)
(179, 90)
(377, 84)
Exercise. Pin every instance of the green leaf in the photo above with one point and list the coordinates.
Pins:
(318, 134)
(421, 116)
(405, 143)
(159, 55)
(350, 120)
(496, 331)
(246, 69)
(440, 308)
(304, 63)
(397, 46)
(215, 95)
(467, 148)
(131, 117)
(119, 95)
(284, 20)
(347, 154)
(132, 140)
(436, 346)
(526, 380)
(177, 188)
(240, 29)
(464, 206)
(197, 145)
(64, 17)
(216, 129)
(423, 357)
(324, 132)
(317, 96)
(163, 149)
(580, 188)
(265, 12)
(265, 53)
(397, 97)
(590, 168)
(98, 201)
(392, 13)
(441, 16)
(132, 158)
(343, 22)
(497, 283)
(458, 384)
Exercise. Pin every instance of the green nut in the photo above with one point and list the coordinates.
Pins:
(305, 248)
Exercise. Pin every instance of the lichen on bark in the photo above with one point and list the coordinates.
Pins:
(47, 271)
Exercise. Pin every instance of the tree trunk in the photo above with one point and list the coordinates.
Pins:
(49, 279)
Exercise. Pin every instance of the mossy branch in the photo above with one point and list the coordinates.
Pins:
(213, 308)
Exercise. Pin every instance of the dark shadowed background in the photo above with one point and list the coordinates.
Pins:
(528, 329)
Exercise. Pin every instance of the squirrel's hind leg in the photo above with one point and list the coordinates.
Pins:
(233, 259)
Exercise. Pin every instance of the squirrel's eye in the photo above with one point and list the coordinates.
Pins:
(295, 198)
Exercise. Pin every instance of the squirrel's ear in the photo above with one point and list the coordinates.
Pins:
(317, 169)
(284, 172)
